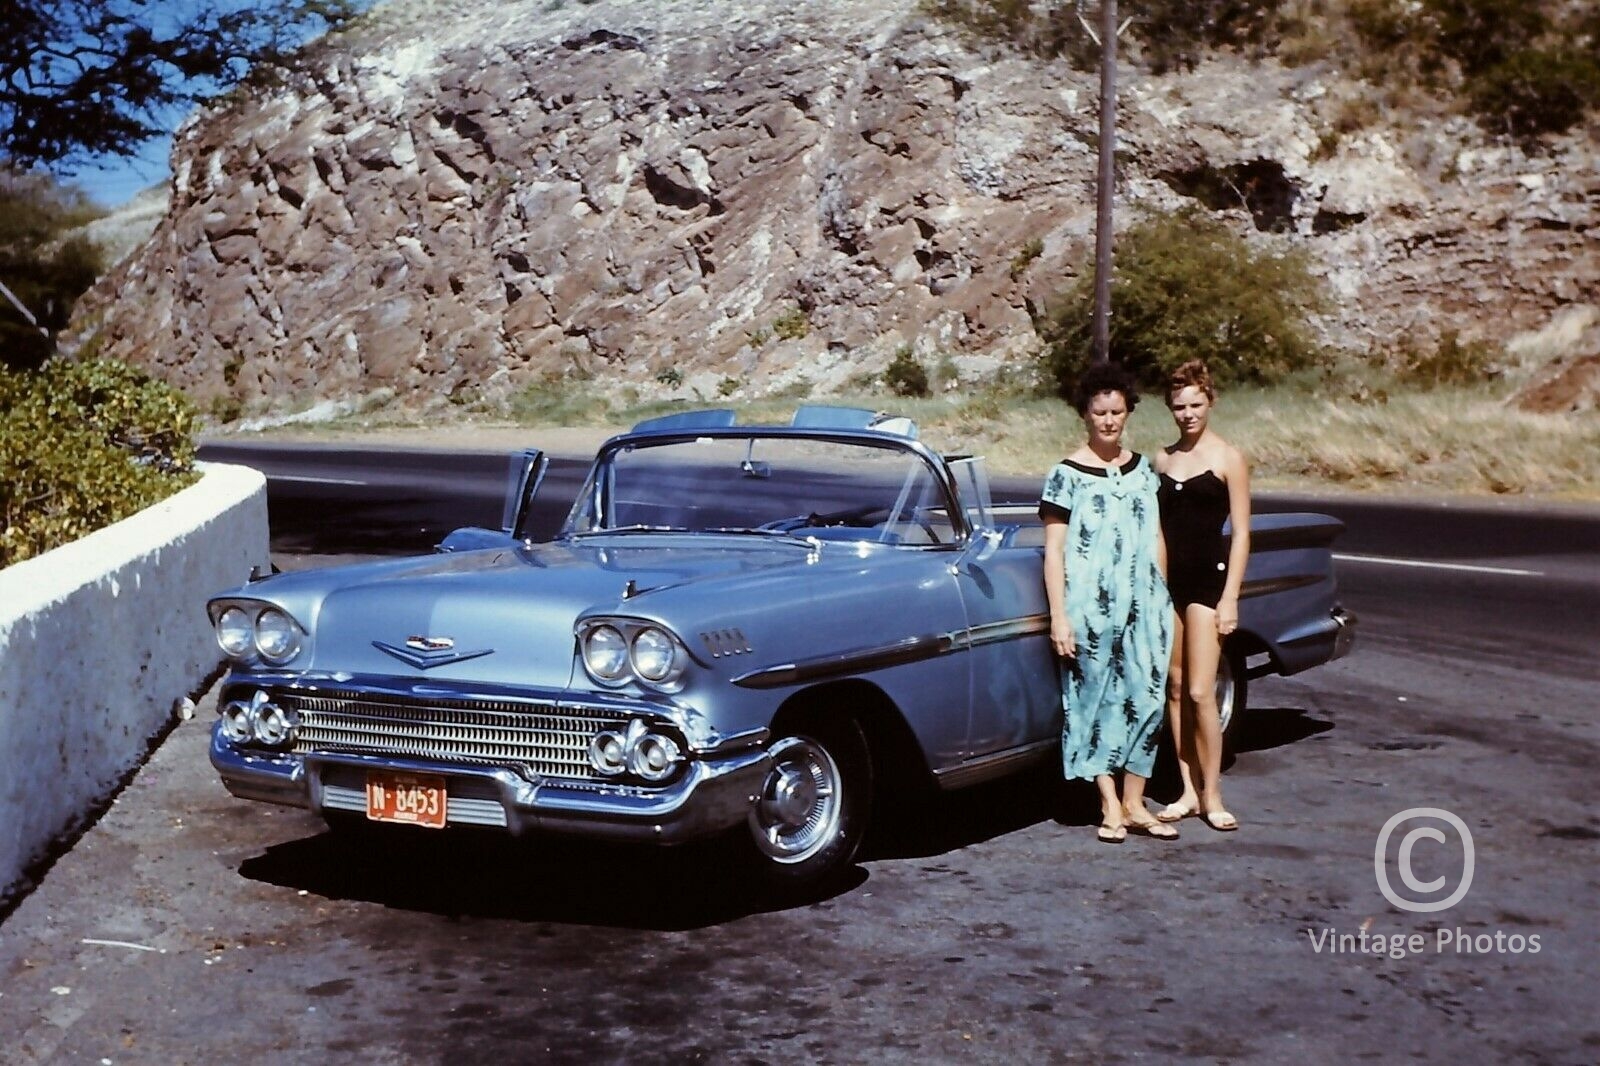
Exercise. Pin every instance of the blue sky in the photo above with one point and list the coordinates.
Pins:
(112, 182)
(116, 181)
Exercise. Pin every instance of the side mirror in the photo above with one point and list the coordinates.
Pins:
(982, 544)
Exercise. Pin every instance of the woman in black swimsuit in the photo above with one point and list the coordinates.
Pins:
(1204, 481)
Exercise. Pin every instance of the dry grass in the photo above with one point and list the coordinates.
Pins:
(1456, 440)
(1307, 437)
(1464, 440)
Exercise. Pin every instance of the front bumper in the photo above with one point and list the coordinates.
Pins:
(713, 794)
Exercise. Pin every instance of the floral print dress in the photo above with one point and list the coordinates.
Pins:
(1113, 692)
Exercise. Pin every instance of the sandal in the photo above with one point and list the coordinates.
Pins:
(1175, 812)
(1111, 834)
(1158, 830)
(1221, 821)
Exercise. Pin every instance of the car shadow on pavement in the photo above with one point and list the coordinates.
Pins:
(932, 823)
(1261, 729)
(468, 874)
(1264, 728)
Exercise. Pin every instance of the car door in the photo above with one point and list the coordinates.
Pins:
(1015, 687)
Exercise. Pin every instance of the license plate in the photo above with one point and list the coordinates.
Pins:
(416, 799)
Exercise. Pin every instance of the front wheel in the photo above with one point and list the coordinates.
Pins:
(814, 805)
(1233, 687)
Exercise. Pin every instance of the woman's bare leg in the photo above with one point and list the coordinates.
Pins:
(1112, 827)
(1180, 719)
(1202, 652)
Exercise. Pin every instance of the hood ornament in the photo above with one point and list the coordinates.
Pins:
(426, 652)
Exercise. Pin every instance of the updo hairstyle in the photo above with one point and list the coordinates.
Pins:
(1195, 373)
(1104, 377)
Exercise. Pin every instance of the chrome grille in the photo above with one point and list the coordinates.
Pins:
(549, 741)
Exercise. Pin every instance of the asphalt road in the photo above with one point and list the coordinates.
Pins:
(188, 927)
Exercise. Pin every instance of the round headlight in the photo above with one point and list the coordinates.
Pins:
(234, 633)
(608, 754)
(654, 654)
(653, 757)
(274, 725)
(277, 637)
(236, 724)
(605, 652)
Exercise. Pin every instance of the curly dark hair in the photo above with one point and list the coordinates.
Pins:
(1195, 373)
(1104, 377)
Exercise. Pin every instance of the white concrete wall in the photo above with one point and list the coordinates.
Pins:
(100, 639)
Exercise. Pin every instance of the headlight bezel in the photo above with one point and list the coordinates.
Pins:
(589, 637)
(660, 639)
(290, 631)
(244, 626)
(254, 651)
(667, 679)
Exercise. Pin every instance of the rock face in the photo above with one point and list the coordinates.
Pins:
(463, 197)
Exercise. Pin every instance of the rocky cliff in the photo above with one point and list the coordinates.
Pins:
(461, 197)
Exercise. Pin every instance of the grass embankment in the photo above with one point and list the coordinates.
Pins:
(1299, 437)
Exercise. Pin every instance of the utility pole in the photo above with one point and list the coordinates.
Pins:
(1105, 190)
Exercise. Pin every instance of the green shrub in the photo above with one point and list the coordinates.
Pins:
(1481, 34)
(1171, 34)
(45, 272)
(1386, 25)
(1025, 257)
(1522, 67)
(1535, 92)
(556, 400)
(1176, 34)
(1451, 361)
(905, 376)
(1184, 287)
(791, 325)
(83, 445)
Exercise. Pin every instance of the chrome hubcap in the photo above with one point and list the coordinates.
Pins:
(797, 814)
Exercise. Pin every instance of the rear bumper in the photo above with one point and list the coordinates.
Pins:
(1322, 640)
(1344, 637)
(713, 794)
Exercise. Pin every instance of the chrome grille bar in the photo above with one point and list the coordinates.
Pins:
(548, 741)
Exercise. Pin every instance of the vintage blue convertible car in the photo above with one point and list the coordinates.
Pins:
(747, 628)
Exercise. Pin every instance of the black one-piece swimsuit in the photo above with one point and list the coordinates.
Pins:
(1192, 514)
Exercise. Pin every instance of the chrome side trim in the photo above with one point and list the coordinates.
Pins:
(1007, 629)
(908, 650)
(859, 660)
(750, 738)
(991, 766)
(1267, 586)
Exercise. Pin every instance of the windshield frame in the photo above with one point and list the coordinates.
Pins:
(597, 486)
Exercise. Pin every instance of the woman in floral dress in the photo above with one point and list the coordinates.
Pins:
(1110, 615)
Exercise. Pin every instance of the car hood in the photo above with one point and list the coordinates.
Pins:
(506, 616)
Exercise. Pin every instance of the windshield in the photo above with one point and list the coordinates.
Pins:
(769, 485)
